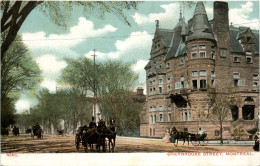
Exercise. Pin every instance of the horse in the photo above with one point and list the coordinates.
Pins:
(60, 132)
(28, 131)
(16, 131)
(37, 131)
(110, 134)
(90, 137)
(198, 137)
(179, 135)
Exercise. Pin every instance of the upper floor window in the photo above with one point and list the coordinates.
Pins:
(194, 47)
(169, 78)
(160, 108)
(248, 59)
(168, 65)
(212, 52)
(212, 73)
(255, 76)
(236, 75)
(154, 82)
(160, 89)
(202, 47)
(202, 54)
(169, 87)
(194, 55)
(203, 84)
(223, 52)
(181, 61)
(177, 85)
(151, 82)
(236, 59)
(169, 107)
(203, 73)
(194, 73)
(160, 81)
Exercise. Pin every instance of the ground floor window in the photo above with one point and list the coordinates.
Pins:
(248, 112)
(169, 117)
(161, 117)
(234, 112)
(153, 132)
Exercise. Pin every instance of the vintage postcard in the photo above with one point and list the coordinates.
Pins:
(129, 83)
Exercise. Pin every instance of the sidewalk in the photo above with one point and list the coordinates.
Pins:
(210, 142)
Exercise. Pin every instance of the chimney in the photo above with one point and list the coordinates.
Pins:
(140, 91)
(221, 24)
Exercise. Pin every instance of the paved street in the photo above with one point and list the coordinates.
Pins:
(65, 144)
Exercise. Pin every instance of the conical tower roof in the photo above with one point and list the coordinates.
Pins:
(200, 28)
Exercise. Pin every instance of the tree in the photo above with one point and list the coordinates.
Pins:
(222, 100)
(18, 70)
(14, 13)
(114, 81)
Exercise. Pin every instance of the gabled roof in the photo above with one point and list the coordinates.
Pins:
(238, 33)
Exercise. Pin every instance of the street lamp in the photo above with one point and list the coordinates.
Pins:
(94, 87)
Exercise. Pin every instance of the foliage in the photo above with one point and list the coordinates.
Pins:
(67, 104)
(7, 113)
(18, 70)
(15, 13)
(114, 82)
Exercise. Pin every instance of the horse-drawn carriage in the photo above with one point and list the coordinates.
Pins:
(37, 131)
(15, 131)
(99, 136)
(196, 139)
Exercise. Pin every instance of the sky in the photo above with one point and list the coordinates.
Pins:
(112, 38)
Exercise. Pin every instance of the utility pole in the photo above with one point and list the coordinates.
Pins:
(94, 87)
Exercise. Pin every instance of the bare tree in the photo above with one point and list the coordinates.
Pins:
(222, 99)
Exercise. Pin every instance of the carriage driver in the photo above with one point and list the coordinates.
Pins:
(92, 124)
(173, 134)
(201, 131)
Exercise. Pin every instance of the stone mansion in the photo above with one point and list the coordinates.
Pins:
(188, 62)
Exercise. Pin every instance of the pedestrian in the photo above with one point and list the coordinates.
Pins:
(167, 137)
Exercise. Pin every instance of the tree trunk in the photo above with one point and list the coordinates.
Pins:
(221, 134)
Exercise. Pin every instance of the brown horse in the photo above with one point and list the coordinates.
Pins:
(175, 136)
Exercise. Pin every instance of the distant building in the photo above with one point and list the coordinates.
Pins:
(187, 62)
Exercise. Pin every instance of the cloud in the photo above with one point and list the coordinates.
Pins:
(49, 84)
(139, 65)
(51, 68)
(22, 105)
(49, 63)
(241, 16)
(166, 17)
(136, 42)
(77, 34)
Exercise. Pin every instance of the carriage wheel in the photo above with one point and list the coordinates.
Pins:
(204, 142)
(195, 142)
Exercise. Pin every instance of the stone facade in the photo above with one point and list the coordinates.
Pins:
(186, 65)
